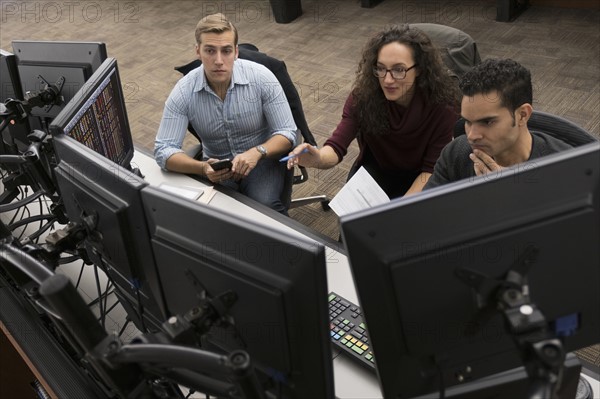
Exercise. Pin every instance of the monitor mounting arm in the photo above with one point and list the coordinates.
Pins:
(19, 110)
(186, 329)
(541, 351)
(150, 366)
(32, 168)
(48, 96)
(195, 323)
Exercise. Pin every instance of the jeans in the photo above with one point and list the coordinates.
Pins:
(269, 183)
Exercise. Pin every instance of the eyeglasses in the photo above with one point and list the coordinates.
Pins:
(397, 73)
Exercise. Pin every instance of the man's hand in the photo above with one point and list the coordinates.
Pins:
(216, 176)
(483, 163)
(245, 162)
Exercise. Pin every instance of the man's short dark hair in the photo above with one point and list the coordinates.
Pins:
(510, 79)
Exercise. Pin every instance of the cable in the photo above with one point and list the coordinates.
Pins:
(114, 305)
(18, 204)
(42, 230)
(68, 259)
(21, 218)
(106, 295)
(29, 219)
(80, 275)
(43, 203)
(127, 321)
(95, 301)
(99, 294)
(139, 308)
(19, 196)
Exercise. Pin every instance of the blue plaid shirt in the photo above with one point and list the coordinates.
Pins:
(255, 108)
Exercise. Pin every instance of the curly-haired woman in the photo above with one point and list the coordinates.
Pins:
(402, 110)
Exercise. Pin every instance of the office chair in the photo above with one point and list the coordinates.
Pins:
(459, 50)
(560, 128)
(460, 53)
(551, 125)
(250, 52)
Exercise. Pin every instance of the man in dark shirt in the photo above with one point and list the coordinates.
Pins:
(496, 105)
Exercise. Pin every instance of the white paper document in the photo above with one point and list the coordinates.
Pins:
(192, 193)
(209, 193)
(360, 192)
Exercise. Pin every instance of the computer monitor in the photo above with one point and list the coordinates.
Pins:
(41, 62)
(279, 314)
(14, 137)
(97, 116)
(426, 328)
(105, 198)
(11, 86)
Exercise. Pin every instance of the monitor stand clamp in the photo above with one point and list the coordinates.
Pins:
(542, 352)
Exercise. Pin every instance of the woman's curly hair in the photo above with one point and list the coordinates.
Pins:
(434, 81)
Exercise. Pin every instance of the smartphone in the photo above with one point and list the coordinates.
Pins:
(221, 164)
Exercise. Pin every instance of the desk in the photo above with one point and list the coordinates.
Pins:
(351, 381)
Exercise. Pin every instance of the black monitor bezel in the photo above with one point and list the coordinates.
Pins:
(91, 184)
(407, 231)
(14, 138)
(80, 58)
(70, 111)
(13, 78)
(186, 232)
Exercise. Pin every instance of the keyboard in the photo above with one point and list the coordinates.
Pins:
(349, 332)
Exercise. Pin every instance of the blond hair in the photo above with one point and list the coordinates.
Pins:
(215, 23)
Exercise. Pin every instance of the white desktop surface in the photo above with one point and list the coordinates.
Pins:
(351, 381)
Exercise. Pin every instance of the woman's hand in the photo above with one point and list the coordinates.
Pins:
(305, 155)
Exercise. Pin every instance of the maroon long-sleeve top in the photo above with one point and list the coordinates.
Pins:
(418, 133)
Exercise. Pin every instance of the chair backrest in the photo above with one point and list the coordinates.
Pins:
(279, 69)
(560, 128)
(458, 49)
